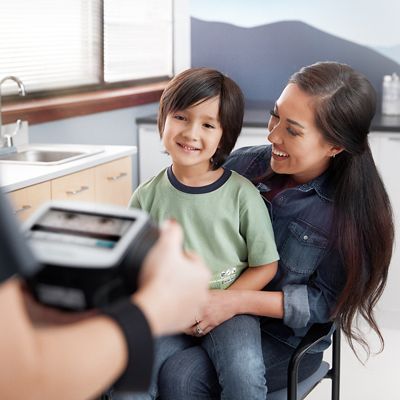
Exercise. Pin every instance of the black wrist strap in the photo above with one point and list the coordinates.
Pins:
(139, 339)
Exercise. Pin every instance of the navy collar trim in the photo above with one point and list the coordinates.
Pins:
(197, 189)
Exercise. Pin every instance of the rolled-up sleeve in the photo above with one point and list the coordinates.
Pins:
(295, 306)
(315, 301)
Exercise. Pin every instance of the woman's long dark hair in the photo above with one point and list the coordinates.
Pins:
(344, 104)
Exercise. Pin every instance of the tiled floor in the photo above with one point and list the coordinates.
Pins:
(379, 378)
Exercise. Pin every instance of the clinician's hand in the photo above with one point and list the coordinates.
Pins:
(173, 285)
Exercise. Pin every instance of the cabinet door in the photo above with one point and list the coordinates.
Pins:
(75, 187)
(152, 155)
(252, 137)
(27, 200)
(113, 182)
(387, 165)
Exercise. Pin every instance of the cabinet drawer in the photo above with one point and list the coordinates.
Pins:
(76, 187)
(25, 201)
(113, 182)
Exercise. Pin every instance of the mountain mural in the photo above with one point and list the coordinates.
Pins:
(392, 52)
(261, 59)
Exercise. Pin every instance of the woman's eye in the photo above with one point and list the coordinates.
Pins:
(292, 132)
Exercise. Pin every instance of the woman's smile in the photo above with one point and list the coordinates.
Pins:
(278, 154)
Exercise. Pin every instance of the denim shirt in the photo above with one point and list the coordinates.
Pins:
(310, 273)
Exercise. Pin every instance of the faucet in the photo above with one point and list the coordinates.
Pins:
(6, 140)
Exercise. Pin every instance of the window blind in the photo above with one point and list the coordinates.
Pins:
(137, 39)
(49, 44)
(58, 44)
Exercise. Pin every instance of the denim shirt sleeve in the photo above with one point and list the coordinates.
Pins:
(315, 300)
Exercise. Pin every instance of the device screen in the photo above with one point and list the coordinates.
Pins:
(79, 228)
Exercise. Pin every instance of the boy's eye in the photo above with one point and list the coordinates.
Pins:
(209, 126)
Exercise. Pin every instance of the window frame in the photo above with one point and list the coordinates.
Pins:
(56, 104)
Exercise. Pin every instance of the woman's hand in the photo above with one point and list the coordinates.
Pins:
(219, 308)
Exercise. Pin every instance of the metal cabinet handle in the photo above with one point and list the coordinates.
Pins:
(74, 192)
(115, 178)
(23, 208)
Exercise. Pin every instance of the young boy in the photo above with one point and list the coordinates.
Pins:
(223, 217)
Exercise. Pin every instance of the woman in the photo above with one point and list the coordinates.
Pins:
(332, 222)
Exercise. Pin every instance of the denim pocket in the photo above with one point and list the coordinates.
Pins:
(303, 248)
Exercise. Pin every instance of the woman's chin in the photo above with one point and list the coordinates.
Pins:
(278, 167)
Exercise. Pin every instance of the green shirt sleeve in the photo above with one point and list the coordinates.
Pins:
(256, 227)
(134, 200)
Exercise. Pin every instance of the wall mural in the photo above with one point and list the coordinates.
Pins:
(261, 43)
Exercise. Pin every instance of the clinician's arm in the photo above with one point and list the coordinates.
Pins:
(82, 359)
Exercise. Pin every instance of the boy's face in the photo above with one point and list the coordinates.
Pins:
(192, 136)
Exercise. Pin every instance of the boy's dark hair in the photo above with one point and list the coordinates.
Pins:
(196, 85)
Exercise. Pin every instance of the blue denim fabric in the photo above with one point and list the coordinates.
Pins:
(235, 350)
(165, 347)
(189, 374)
(311, 274)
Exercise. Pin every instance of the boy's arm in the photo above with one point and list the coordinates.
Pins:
(255, 278)
(256, 229)
(134, 200)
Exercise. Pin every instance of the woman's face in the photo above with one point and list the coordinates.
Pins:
(298, 147)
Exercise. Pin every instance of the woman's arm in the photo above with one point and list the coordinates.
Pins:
(261, 303)
(225, 304)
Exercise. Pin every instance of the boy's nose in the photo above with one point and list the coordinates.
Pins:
(191, 133)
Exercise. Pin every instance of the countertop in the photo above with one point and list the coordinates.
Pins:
(258, 118)
(16, 176)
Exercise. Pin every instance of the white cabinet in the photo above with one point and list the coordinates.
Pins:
(386, 150)
(252, 137)
(152, 155)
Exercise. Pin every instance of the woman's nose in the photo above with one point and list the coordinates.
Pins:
(274, 135)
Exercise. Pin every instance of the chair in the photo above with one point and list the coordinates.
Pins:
(299, 390)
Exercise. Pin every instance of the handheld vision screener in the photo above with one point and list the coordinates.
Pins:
(91, 254)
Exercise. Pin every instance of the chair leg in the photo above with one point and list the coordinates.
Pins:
(335, 373)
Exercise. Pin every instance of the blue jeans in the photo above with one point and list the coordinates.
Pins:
(165, 347)
(189, 374)
(234, 349)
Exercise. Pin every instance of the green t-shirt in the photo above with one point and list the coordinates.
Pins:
(226, 223)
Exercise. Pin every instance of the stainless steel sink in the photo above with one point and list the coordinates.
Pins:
(46, 155)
